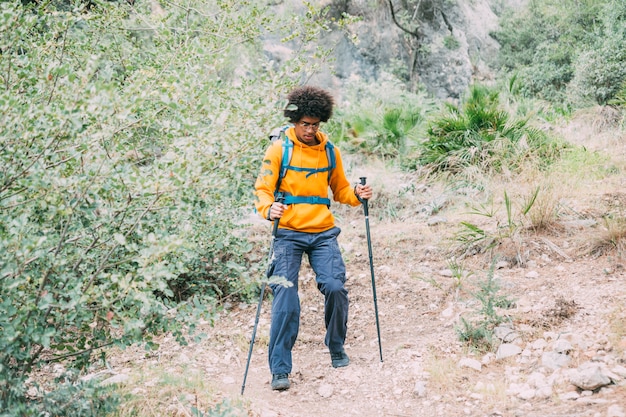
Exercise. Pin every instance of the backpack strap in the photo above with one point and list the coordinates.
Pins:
(277, 134)
(330, 154)
(294, 199)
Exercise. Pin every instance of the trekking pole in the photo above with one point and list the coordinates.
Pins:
(279, 199)
(369, 248)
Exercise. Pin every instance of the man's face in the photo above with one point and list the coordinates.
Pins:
(306, 128)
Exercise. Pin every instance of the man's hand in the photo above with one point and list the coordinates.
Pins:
(364, 192)
(276, 211)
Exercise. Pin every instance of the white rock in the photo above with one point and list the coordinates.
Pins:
(527, 394)
(619, 370)
(555, 360)
(590, 376)
(420, 388)
(544, 392)
(488, 358)
(506, 350)
(326, 390)
(563, 346)
(470, 363)
(615, 411)
(569, 396)
(537, 380)
(116, 379)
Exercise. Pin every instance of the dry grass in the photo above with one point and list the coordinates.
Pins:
(165, 391)
(443, 373)
(610, 239)
(617, 326)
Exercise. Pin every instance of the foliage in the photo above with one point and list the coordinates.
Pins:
(478, 330)
(569, 49)
(509, 228)
(477, 133)
(620, 101)
(612, 238)
(128, 150)
(382, 120)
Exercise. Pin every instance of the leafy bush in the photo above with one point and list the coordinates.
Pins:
(566, 49)
(128, 153)
(477, 331)
(601, 70)
(382, 120)
(478, 133)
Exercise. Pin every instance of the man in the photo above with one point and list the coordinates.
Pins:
(306, 225)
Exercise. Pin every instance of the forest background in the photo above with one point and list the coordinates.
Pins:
(132, 134)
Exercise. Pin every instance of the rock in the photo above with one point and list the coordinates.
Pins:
(326, 390)
(569, 396)
(615, 411)
(526, 393)
(619, 370)
(470, 363)
(506, 334)
(116, 379)
(555, 360)
(506, 350)
(445, 273)
(420, 388)
(433, 221)
(563, 346)
(488, 358)
(590, 376)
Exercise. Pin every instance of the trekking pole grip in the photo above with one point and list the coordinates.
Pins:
(364, 200)
(279, 198)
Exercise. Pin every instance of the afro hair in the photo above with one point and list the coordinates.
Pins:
(309, 101)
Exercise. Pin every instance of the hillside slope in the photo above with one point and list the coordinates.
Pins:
(562, 351)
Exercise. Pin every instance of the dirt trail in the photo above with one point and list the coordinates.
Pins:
(419, 311)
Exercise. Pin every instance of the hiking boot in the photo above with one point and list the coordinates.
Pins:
(339, 359)
(280, 382)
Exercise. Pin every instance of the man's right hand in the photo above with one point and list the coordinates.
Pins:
(276, 211)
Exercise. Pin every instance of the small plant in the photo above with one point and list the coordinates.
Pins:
(509, 228)
(613, 238)
(478, 335)
(459, 274)
(478, 332)
(451, 42)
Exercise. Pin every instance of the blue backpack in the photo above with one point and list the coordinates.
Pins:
(279, 134)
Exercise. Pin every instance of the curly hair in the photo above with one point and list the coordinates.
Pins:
(309, 101)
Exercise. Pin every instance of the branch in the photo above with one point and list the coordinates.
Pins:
(393, 16)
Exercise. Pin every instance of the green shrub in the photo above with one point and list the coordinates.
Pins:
(477, 331)
(555, 43)
(128, 152)
(478, 133)
(601, 70)
(383, 120)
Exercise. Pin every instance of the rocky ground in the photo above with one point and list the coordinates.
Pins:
(559, 351)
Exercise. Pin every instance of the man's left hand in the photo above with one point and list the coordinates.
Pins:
(364, 192)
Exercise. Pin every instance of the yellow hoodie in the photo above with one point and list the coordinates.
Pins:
(309, 218)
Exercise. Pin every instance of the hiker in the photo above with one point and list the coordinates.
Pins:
(306, 225)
